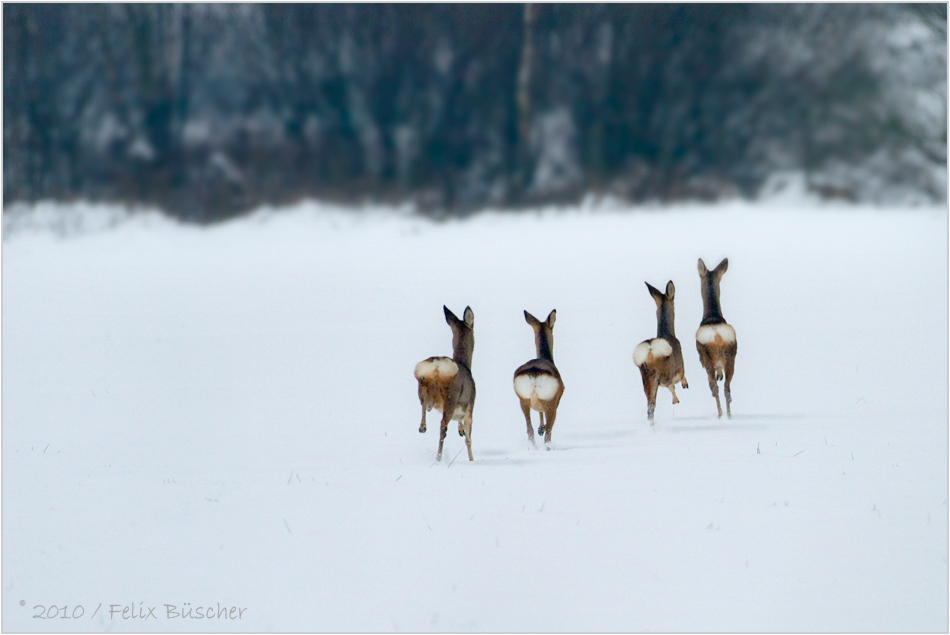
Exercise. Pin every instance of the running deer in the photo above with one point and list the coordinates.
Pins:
(716, 340)
(660, 359)
(538, 383)
(447, 385)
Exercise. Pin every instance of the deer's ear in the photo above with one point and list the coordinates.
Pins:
(655, 293)
(469, 317)
(551, 317)
(533, 321)
(702, 268)
(721, 267)
(449, 316)
(670, 290)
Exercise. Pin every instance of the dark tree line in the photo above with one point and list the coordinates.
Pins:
(209, 110)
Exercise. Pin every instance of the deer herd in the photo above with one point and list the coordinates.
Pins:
(446, 384)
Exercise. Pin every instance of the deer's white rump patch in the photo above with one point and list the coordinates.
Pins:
(658, 346)
(708, 334)
(436, 368)
(542, 386)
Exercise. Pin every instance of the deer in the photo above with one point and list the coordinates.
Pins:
(537, 382)
(446, 384)
(715, 339)
(660, 359)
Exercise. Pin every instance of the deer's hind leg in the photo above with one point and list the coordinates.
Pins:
(552, 413)
(651, 382)
(541, 426)
(446, 417)
(730, 367)
(467, 428)
(714, 387)
(526, 409)
(710, 366)
(423, 398)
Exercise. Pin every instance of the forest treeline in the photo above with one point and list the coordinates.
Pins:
(208, 110)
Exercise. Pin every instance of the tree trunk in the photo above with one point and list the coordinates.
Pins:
(523, 100)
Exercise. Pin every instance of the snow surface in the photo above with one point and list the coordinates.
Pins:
(227, 416)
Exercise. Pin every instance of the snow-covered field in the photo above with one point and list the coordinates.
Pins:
(227, 417)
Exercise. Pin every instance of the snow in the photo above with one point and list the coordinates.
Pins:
(227, 417)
